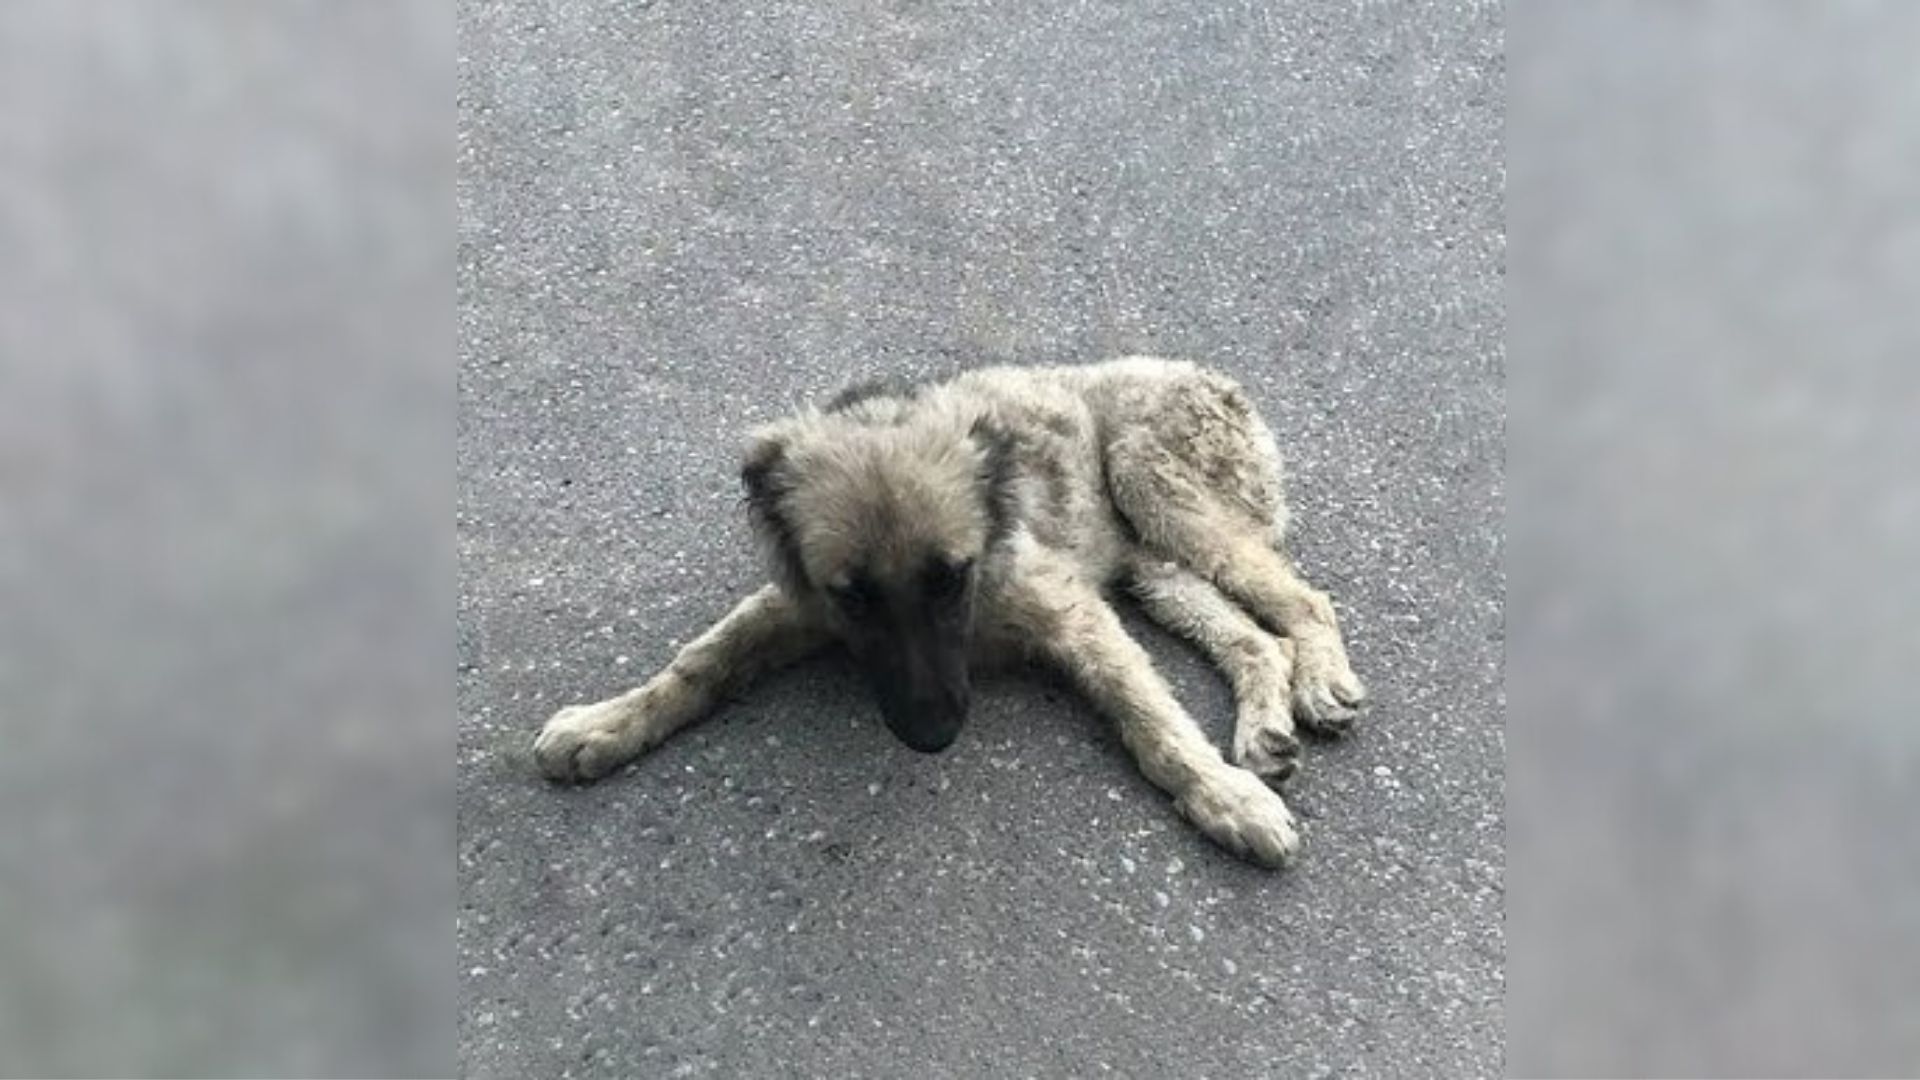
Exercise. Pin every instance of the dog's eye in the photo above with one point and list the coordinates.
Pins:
(852, 598)
(948, 579)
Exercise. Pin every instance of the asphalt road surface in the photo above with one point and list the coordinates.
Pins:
(679, 219)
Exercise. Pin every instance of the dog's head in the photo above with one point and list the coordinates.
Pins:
(884, 529)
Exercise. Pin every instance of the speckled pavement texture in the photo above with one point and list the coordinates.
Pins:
(678, 219)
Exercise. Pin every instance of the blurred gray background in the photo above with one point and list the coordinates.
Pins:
(226, 346)
(1716, 732)
(679, 219)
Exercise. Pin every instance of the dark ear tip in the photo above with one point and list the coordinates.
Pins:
(767, 483)
(753, 474)
(996, 471)
(763, 457)
(987, 430)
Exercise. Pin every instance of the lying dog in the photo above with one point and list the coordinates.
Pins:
(930, 529)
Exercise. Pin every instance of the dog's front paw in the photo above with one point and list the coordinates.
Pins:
(585, 742)
(1242, 814)
(1326, 694)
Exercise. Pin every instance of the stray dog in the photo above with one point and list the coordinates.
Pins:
(934, 528)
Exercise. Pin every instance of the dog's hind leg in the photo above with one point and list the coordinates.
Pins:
(1050, 609)
(1238, 558)
(1326, 693)
(1195, 472)
(1257, 665)
(765, 631)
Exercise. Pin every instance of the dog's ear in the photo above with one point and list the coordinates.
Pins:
(995, 448)
(767, 480)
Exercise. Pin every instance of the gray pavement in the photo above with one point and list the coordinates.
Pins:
(679, 219)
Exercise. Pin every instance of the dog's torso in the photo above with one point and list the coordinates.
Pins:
(1074, 435)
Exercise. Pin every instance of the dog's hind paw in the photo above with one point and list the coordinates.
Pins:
(1327, 696)
(584, 742)
(1242, 814)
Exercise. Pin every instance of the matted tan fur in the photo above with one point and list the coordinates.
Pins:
(983, 519)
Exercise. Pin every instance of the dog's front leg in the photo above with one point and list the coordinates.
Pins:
(765, 631)
(1066, 620)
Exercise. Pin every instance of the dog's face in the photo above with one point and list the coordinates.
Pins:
(885, 532)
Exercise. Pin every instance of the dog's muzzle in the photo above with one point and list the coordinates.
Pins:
(928, 725)
(920, 683)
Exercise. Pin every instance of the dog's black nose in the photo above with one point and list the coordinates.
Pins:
(929, 743)
(929, 726)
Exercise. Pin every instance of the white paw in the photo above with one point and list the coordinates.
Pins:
(1242, 814)
(1264, 744)
(586, 742)
(1326, 694)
